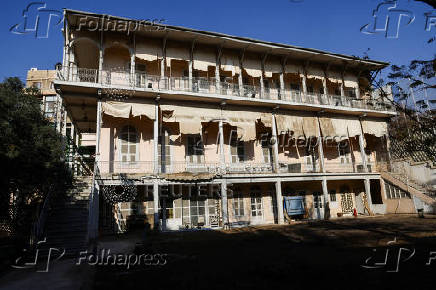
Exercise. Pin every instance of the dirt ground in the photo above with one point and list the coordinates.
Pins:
(329, 254)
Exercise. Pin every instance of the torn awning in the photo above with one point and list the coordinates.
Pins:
(375, 127)
(287, 123)
(124, 109)
(340, 126)
(244, 121)
(189, 118)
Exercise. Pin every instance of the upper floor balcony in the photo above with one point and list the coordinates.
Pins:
(141, 81)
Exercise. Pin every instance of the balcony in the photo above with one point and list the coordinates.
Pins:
(147, 168)
(212, 87)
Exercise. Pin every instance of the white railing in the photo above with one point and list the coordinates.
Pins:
(211, 86)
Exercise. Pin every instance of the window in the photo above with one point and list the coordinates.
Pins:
(37, 85)
(51, 85)
(194, 149)
(164, 157)
(344, 152)
(141, 68)
(351, 93)
(237, 149)
(49, 106)
(310, 89)
(333, 195)
(266, 151)
(321, 91)
(295, 87)
(197, 210)
(317, 200)
(337, 92)
(129, 144)
(266, 86)
(238, 205)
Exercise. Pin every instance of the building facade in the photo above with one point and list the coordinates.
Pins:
(198, 129)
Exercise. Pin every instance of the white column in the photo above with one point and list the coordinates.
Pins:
(162, 62)
(324, 85)
(279, 197)
(224, 202)
(156, 139)
(320, 147)
(98, 129)
(217, 69)
(221, 140)
(362, 148)
(156, 205)
(133, 66)
(325, 192)
(304, 83)
(368, 193)
(276, 143)
(342, 89)
(282, 81)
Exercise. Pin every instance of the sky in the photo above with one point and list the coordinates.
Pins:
(334, 26)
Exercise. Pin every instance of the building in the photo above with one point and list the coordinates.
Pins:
(202, 129)
(43, 80)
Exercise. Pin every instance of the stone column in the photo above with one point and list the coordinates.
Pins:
(279, 201)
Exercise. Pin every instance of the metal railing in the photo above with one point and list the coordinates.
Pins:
(212, 86)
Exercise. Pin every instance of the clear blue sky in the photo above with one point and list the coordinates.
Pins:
(328, 25)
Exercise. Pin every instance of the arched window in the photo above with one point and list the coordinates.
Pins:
(129, 151)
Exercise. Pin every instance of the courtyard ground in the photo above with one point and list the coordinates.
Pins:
(328, 254)
(334, 254)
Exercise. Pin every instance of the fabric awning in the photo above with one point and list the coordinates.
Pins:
(374, 127)
(188, 176)
(177, 53)
(189, 118)
(124, 109)
(266, 119)
(340, 126)
(350, 81)
(292, 68)
(310, 126)
(272, 67)
(315, 73)
(253, 67)
(244, 121)
(149, 51)
(287, 123)
(230, 63)
(204, 59)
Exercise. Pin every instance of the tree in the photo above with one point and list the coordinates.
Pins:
(31, 151)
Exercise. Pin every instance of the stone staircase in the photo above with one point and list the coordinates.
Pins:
(67, 222)
(415, 189)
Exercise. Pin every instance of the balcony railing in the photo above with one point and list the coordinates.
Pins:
(211, 86)
(147, 167)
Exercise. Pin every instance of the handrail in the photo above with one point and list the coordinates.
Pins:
(136, 80)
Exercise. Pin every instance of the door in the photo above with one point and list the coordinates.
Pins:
(256, 207)
(318, 205)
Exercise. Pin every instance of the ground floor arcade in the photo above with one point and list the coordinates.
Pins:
(232, 202)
